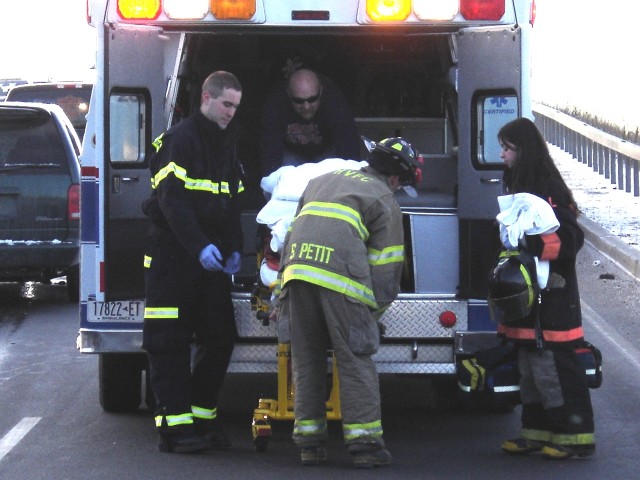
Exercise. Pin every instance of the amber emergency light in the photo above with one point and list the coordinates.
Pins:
(233, 9)
(139, 9)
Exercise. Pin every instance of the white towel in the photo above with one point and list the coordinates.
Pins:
(526, 214)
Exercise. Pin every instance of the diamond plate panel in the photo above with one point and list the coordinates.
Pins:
(247, 323)
(406, 318)
(414, 354)
(255, 354)
(417, 368)
(416, 318)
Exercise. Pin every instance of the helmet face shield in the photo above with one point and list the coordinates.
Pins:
(510, 309)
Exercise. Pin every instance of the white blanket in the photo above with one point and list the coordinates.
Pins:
(526, 214)
(286, 186)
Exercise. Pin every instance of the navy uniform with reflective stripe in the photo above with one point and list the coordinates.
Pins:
(196, 182)
(340, 269)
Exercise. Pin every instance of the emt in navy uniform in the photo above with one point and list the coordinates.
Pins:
(195, 245)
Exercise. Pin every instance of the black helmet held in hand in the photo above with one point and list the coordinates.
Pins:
(394, 156)
(513, 287)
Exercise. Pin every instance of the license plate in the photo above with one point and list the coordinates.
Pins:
(121, 311)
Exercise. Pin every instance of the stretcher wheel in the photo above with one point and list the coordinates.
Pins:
(261, 443)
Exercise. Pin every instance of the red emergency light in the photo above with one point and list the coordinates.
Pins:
(482, 9)
(448, 319)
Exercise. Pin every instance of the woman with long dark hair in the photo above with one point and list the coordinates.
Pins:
(557, 416)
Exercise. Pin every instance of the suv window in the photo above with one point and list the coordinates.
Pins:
(73, 98)
(31, 142)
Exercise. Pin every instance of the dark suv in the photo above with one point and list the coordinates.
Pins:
(39, 195)
(73, 97)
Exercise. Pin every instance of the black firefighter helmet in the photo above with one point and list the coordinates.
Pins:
(395, 156)
(513, 287)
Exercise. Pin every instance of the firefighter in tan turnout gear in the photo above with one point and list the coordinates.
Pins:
(340, 269)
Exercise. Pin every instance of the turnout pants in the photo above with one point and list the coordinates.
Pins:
(186, 304)
(322, 319)
(556, 403)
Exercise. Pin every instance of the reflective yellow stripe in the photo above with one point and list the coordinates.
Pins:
(575, 439)
(540, 435)
(527, 278)
(394, 254)
(309, 427)
(201, 184)
(204, 413)
(332, 281)
(160, 312)
(477, 374)
(157, 143)
(147, 261)
(174, 420)
(339, 212)
(356, 430)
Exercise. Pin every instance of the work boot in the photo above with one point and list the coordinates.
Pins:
(369, 456)
(181, 439)
(213, 433)
(313, 455)
(554, 451)
(522, 446)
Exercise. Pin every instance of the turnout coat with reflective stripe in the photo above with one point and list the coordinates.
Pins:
(347, 236)
(195, 180)
(560, 313)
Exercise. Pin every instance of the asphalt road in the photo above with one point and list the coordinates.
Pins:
(52, 426)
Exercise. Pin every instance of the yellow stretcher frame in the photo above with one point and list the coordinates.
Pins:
(270, 409)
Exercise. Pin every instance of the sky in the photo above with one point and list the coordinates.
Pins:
(583, 51)
(46, 40)
(584, 56)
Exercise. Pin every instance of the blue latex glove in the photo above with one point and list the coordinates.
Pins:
(210, 258)
(232, 265)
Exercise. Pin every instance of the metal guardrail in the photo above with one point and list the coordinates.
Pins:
(616, 159)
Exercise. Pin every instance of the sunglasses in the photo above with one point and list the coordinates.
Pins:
(300, 101)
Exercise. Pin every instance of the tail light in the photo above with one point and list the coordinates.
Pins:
(532, 15)
(73, 202)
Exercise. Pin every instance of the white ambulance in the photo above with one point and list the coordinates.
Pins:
(444, 74)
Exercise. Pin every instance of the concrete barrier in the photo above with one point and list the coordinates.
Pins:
(611, 245)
